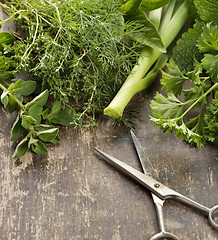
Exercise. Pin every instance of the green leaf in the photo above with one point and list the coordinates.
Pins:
(26, 88)
(188, 135)
(35, 111)
(56, 108)
(164, 107)
(5, 75)
(21, 148)
(144, 31)
(17, 129)
(210, 130)
(28, 121)
(46, 112)
(207, 9)
(173, 80)
(55, 140)
(208, 41)
(149, 5)
(130, 7)
(12, 104)
(15, 85)
(38, 147)
(210, 63)
(2, 63)
(6, 39)
(4, 98)
(186, 48)
(43, 127)
(63, 117)
(40, 100)
(48, 135)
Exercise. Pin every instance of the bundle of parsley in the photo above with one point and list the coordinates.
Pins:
(191, 82)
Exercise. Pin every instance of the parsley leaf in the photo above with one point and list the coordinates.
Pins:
(190, 106)
(171, 113)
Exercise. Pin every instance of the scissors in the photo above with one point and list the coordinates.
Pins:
(159, 191)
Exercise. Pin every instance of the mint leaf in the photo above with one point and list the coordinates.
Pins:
(207, 9)
(186, 48)
(4, 98)
(63, 117)
(6, 39)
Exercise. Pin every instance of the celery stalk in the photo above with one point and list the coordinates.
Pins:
(137, 81)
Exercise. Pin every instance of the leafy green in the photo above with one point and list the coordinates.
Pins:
(190, 83)
(77, 50)
(208, 10)
(21, 148)
(31, 127)
(150, 5)
(210, 130)
(144, 31)
(186, 48)
(172, 113)
(167, 26)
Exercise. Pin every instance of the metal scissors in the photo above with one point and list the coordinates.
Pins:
(159, 191)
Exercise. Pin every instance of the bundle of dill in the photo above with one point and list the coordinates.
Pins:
(74, 48)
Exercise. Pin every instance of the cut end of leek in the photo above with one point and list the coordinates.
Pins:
(111, 112)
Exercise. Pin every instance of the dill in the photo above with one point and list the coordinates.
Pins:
(76, 49)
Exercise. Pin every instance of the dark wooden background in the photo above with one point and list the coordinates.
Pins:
(70, 194)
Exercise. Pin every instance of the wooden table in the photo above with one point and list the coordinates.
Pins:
(70, 194)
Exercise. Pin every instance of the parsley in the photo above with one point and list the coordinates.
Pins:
(191, 83)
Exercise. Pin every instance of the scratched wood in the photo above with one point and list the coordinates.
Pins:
(70, 194)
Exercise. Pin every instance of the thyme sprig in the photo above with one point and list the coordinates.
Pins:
(75, 49)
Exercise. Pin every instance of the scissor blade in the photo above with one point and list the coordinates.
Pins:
(150, 183)
(144, 160)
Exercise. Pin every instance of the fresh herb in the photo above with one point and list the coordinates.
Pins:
(33, 125)
(76, 49)
(191, 83)
(160, 32)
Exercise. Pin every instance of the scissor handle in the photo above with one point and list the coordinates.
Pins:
(211, 216)
(164, 235)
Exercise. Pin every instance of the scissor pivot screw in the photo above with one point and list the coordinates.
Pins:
(157, 185)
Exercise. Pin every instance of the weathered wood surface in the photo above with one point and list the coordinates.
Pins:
(71, 194)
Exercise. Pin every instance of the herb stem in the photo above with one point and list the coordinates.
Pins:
(136, 81)
(25, 55)
(14, 98)
(199, 99)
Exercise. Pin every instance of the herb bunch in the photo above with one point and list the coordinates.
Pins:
(33, 126)
(75, 49)
(191, 83)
